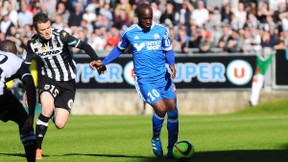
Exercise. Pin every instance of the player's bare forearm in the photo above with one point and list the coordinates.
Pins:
(173, 69)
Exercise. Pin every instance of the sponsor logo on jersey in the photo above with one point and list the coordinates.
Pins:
(153, 45)
(139, 47)
(45, 53)
(64, 34)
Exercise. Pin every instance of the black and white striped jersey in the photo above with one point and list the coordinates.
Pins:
(11, 67)
(55, 54)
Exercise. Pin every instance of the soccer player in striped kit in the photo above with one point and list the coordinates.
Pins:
(151, 46)
(57, 85)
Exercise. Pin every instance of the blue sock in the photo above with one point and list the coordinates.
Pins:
(173, 128)
(157, 125)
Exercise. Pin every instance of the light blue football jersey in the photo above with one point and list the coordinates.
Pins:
(147, 49)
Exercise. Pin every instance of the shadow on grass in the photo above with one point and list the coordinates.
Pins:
(213, 156)
(19, 155)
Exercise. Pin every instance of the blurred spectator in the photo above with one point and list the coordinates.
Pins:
(184, 14)
(156, 12)
(125, 6)
(212, 4)
(178, 5)
(216, 15)
(245, 42)
(96, 41)
(226, 14)
(168, 14)
(284, 21)
(216, 34)
(2, 36)
(200, 15)
(250, 7)
(61, 10)
(106, 11)
(209, 25)
(13, 3)
(85, 25)
(256, 40)
(14, 36)
(225, 36)
(252, 21)
(89, 15)
(13, 14)
(281, 9)
(264, 11)
(24, 17)
(121, 18)
(76, 16)
(23, 44)
(50, 6)
(233, 42)
(183, 39)
(267, 40)
(175, 43)
(5, 24)
(240, 15)
(112, 39)
(205, 42)
(58, 23)
(34, 6)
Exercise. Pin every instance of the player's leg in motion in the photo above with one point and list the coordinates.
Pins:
(158, 118)
(173, 129)
(27, 138)
(156, 142)
(29, 142)
(47, 103)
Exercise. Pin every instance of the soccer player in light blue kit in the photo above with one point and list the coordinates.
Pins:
(150, 46)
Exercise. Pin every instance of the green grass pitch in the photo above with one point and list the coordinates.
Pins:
(257, 134)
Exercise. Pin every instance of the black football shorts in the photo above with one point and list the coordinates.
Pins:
(12, 109)
(63, 92)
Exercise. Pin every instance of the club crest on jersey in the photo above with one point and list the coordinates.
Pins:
(36, 45)
(156, 36)
(70, 104)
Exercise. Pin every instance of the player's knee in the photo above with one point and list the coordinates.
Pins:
(59, 125)
(47, 111)
(161, 112)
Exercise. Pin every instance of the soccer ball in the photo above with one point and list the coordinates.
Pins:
(183, 149)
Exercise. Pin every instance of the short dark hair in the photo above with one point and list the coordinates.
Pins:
(8, 46)
(40, 18)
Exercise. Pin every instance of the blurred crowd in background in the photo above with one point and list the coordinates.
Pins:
(199, 26)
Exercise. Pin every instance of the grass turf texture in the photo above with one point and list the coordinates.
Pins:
(256, 134)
